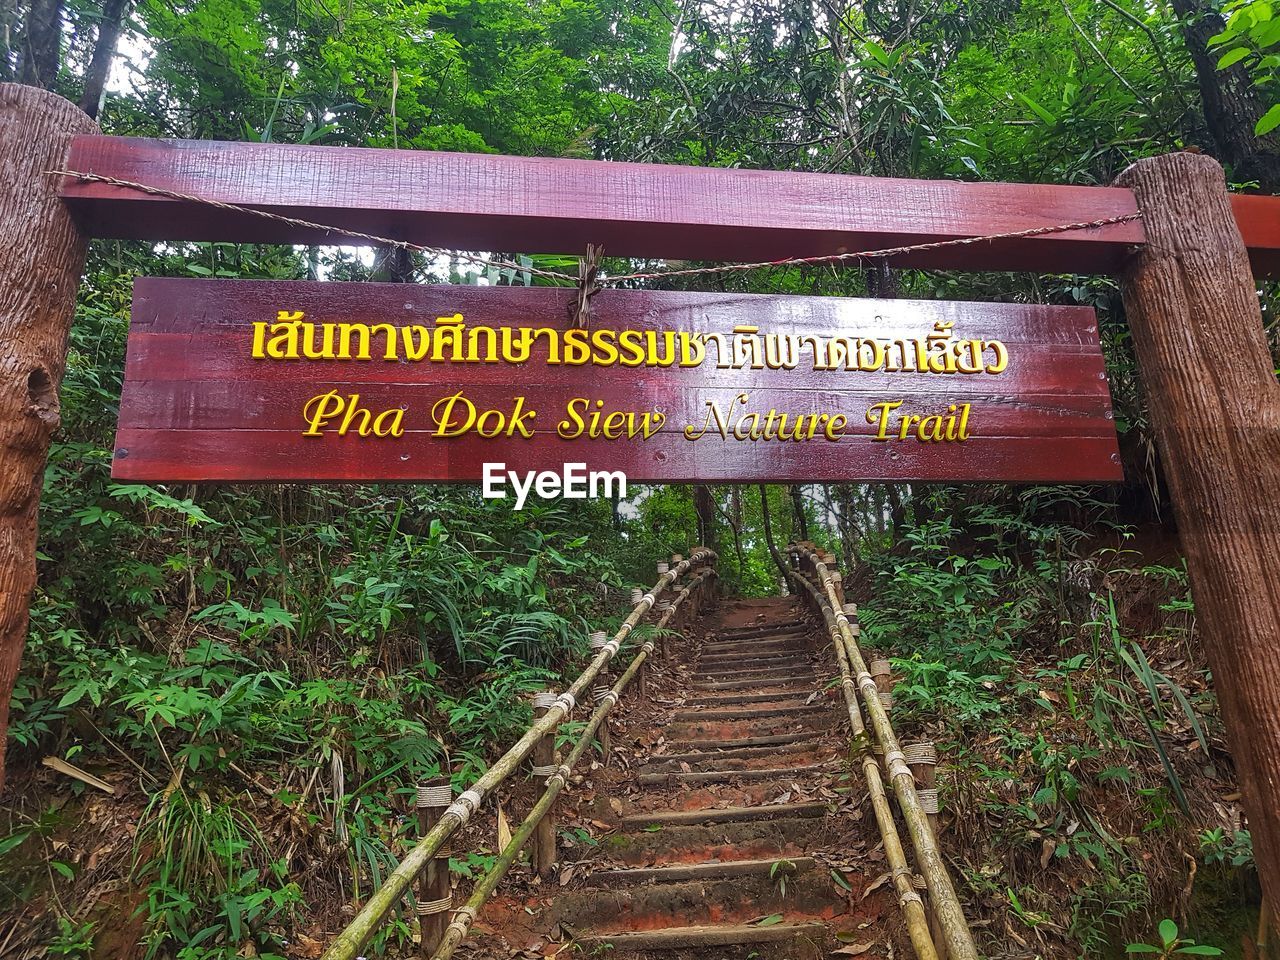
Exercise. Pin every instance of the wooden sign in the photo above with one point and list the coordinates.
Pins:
(292, 381)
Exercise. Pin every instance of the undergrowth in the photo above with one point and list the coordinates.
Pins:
(1083, 754)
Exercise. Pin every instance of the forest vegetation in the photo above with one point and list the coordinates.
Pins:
(264, 672)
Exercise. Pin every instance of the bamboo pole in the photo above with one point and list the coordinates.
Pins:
(958, 939)
(859, 746)
(465, 916)
(348, 944)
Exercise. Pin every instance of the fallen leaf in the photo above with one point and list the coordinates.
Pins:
(875, 885)
(1046, 851)
(305, 948)
(853, 949)
(504, 830)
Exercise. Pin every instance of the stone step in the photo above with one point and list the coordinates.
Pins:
(752, 668)
(712, 761)
(732, 837)
(783, 642)
(619, 908)
(795, 625)
(750, 712)
(813, 935)
(767, 811)
(729, 699)
(766, 740)
(781, 774)
(782, 866)
(750, 657)
(807, 680)
(733, 753)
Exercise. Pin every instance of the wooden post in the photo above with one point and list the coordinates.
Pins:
(41, 260)
(1192, 305)
(435, 896)
(664, 645)
(922, 758)
(601, 688)
(544, 765)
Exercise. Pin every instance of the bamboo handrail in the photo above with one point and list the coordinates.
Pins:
(955, 929)
(912, 906)
(348, 944)
(464, 917)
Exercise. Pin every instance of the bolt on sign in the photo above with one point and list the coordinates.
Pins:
(291, 381)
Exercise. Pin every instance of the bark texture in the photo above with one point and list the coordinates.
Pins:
(40, 264)
(1193, 308)
(1232, 103)
(704, 506)
(104, 54)
(42, 44)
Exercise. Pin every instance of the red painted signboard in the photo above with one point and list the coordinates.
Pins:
(292, 381)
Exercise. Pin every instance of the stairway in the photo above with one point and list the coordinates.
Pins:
(740, 817)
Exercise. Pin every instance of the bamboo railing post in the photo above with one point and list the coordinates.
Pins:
(600, 690)
(435, 897)
(544, 766)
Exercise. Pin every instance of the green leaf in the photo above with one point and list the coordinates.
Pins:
(1141, 948)
(878, 52)
(1039, 111)
(1200, 950)
(1168, 931)
(1270, 120)
(769, 921)
(63, 869)
(1232, 56)
(9, 843)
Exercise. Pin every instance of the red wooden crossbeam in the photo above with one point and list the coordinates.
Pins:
(487, 202)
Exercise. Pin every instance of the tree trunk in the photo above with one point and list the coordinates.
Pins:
(897, 511)
(42, 44)
(393, 265)
(797, 508)
(8, 24)
(704, 505)
(1192, 305)
(104, 54)
(768, 533)
(40, 264)
(1232, 104)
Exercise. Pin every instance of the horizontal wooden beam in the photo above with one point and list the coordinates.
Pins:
(486, 202)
